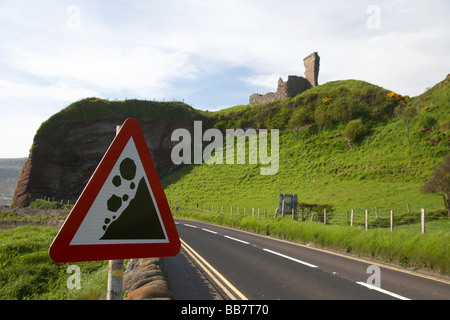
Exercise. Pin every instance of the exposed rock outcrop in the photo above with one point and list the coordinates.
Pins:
(68, 147)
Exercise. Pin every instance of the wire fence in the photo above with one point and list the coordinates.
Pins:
(420, 222)
(382, 218)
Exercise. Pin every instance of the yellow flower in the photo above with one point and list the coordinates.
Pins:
(326, 100)
(395, 97)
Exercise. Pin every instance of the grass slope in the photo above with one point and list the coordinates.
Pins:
(381, 170)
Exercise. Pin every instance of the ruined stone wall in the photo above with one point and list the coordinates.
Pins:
(312, 66)
(286, 89)
(294, 85)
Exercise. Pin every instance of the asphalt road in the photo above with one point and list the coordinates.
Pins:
(238, 265)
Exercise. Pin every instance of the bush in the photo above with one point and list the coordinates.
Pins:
(353, 131)
(427, 122)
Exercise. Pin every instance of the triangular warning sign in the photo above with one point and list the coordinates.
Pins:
(123, 212)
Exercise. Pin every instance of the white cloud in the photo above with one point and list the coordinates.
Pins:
(164, 49)
(17, 134)
(110, 69)
(59, 91)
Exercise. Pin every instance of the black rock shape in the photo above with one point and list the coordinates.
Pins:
(128, 169)
(114, 203)
(138, 221)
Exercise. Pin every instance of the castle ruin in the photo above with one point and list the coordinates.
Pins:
(295, 84)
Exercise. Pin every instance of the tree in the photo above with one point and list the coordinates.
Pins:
(439, 183)
(353, 131)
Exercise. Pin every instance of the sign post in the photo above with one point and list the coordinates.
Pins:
(122, 213)
(115, 280)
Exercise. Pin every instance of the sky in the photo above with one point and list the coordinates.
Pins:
(211, 54)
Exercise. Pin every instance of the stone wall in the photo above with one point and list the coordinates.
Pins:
(144, 280)
(294, 85)
(312, 66)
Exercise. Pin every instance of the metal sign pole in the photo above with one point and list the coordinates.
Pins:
(115, 279)
(115, 272)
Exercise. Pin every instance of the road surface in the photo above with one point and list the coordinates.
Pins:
(238, 265)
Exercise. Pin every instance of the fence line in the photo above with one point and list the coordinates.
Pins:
(367, 219)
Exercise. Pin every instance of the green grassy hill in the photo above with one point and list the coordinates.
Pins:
(380, 169)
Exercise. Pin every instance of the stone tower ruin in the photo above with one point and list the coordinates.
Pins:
(312, 65)
(295, 84)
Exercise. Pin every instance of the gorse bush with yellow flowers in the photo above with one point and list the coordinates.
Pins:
(397, 98)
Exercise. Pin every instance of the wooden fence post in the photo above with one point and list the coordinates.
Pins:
(324, 216)
(423, 221)
(367, 219)
(392, 220)
(351, 218)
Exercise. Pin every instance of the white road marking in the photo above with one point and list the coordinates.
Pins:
(236, 239)
(209, 231)
(190, 226)
(372, 287)
(290, 258)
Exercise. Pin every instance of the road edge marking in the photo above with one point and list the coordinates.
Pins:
(210, 270)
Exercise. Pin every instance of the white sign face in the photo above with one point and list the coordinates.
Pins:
(125, 209)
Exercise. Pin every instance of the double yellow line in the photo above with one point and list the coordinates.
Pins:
(225, 285)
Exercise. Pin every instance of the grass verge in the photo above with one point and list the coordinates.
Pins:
(429, 251)
(28, 273)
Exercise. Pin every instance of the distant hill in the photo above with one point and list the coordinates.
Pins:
(9, 172)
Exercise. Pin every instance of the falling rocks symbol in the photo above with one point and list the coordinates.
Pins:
(139, 220)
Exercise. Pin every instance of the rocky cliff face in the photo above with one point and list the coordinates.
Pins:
(69, 146)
